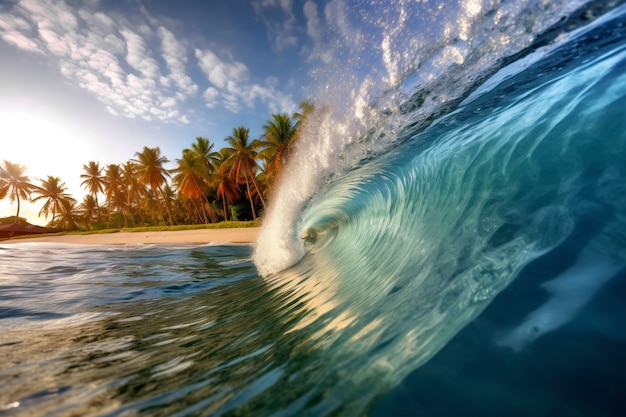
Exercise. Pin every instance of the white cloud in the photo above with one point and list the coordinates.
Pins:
(50, 15)
(113, 44)
(315, 29)
(17, 32)
(169, 102)
(231, 102)
(313, 24)
(272, 81)
(137, 56)
(139, 69)
(9, 22)
(54, 21)
(276, 101)
(280, 21)
(112, 111)
(231, 84)
(259, 5)
(21, 41)
(174, 54)
(211, 96)
(56, 44)
(220, 72)
(98, 21)
(106, 56)
(285, 4)
(337, 18)
(333, 31)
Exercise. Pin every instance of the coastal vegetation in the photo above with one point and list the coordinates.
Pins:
(206, 186)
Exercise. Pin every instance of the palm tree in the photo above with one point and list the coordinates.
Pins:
(243, 162)
(191, 180)
(89, 209)
(69, 214)
(54, 191)
(151, 173)
(14, 183)
(278, 135)
(94, 181)
(306, 109)
(203, 149)
(115, 191)
(227, 188)
(135, 189)
(170, 198)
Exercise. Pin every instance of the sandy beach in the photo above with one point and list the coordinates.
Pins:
(199, 236)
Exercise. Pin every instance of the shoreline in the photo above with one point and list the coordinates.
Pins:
(198, 236)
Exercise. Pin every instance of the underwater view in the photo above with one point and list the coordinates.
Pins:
(449, 239)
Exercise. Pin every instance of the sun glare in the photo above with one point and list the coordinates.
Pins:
(46, 145)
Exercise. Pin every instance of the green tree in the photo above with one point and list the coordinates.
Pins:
(69, 214)
(306, 109)
(115, 191)
(54, 192)
(94, 182)
(89, 210)
(203, 149)
(170, 198)
(277, 141)
(135, 190)
(152, 173)
(15, 184)
(191, 179)
(227, 188)
(243, 162)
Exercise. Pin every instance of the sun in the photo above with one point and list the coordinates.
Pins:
(42, 141)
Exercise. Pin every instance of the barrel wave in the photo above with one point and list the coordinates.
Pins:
(448, 238)
(400, 221)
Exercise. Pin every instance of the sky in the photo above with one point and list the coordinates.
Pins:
(97, 80)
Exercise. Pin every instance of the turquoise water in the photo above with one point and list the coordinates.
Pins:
(449, 239)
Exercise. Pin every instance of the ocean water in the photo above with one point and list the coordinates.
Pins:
(449, 239)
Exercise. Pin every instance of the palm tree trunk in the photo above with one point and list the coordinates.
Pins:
(17, 215)
(197, 216)
(258, 192)
(167, 207)
(139, 207)
(158, 204)
(98, 207)
(225, 212)
(201, 209)
(109, 209)
(250, 197)
(210, 210)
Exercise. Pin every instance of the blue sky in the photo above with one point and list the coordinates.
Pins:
(98, 80)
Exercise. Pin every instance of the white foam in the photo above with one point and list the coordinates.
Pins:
(366, 79)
